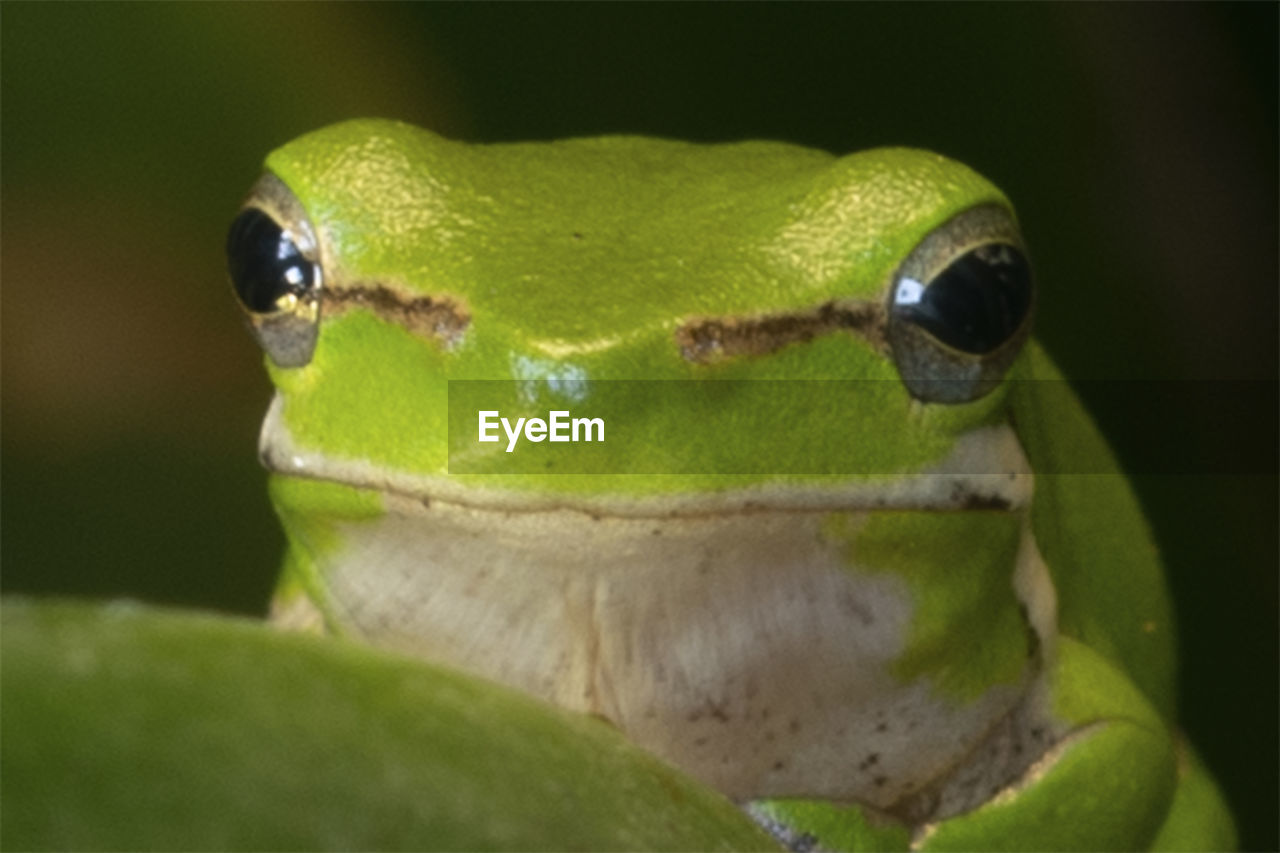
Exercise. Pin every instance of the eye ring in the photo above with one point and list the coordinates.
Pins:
(960, 307)
(272, 259)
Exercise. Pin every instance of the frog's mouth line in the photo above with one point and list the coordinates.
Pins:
(948, 486)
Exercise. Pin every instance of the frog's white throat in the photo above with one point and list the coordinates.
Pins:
(729, 634)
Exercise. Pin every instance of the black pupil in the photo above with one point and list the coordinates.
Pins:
(978, 302)
(264, 262)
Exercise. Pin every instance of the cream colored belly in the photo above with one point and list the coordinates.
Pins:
(741, 647)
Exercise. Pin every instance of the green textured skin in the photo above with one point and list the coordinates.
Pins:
(574, 259)
(1092, 533)
(1198, 818)
(307, 510)
(834, 827)
(129, 728)
(1109, 788)
(967, 634)
(1112, 599)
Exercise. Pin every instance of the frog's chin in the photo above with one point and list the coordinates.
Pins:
(1005, 483)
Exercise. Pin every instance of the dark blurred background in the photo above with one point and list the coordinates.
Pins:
(1139, 143)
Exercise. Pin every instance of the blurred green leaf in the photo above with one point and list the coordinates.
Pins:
(126, 727)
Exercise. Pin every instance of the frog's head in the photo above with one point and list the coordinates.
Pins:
(377, 261)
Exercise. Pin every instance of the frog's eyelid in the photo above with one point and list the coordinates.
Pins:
(714, 339)
(273, 197)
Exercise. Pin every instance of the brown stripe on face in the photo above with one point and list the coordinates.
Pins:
(437, 317)
(716, 339)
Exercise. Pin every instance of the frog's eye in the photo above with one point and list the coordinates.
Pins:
(960, 307)
(276, 273)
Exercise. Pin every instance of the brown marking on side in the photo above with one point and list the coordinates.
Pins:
(975, 501)
(716, 339)
(438, 317)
